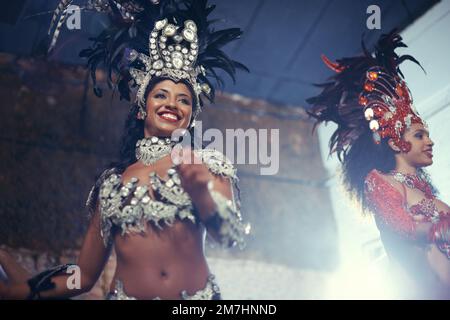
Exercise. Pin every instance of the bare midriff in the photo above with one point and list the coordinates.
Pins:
(161, 262)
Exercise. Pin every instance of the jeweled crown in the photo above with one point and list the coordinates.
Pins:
(388, 105)
(173, 52)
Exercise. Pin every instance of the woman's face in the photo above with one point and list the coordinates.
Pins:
(421, 153)
(169, 107)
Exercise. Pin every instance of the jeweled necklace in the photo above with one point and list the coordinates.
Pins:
(151, 149)
(413, 181)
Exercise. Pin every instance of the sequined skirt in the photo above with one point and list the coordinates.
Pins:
(211, 291)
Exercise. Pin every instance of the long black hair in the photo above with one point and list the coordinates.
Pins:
(360, 159)
(364, 156)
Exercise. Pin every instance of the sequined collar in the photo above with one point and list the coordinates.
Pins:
(151, 149)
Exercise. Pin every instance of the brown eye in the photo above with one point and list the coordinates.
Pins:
(186, 102)
(160, 96)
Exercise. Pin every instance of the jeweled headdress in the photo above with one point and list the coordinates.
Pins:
(173, 54)
(367, 93)
(388, 106)
(150, 39)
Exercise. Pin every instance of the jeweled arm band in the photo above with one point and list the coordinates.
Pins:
(227, 221)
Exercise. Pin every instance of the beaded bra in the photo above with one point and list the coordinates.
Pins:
(129, 207)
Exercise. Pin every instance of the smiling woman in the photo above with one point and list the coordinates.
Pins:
(383, 146)
(169, 107)
(155, 213)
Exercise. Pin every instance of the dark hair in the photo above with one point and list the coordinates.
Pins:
(364, 156)
(360, 159)
(133, 131)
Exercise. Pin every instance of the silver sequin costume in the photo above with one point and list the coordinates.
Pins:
(211, 291)
(129, 207)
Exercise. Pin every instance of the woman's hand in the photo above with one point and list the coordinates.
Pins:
(195, 177)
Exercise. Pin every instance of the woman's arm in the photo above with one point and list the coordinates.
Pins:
(212, 195)
(195, 179)
(91, 261)
(389, 205)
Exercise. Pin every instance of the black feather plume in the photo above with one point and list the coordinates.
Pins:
(108, 48)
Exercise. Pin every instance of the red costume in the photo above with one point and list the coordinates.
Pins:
(392, 212)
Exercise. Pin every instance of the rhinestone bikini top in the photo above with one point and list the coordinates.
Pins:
(129, 207)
